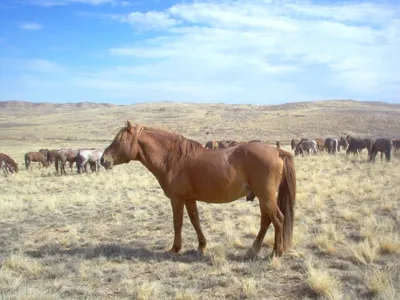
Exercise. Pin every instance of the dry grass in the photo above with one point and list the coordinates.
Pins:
(105, 235)
(322, 283)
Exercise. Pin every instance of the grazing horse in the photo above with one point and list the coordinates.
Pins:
(255, 141)
(8, 164)
(91, 156)
(187, 173)
(293, 143)
(306, 146)
(6, 167)
(396, 144)
(357, 145)
(331, 145)
(382, 145)
(211, 145)
(35, 157)
(63, 156)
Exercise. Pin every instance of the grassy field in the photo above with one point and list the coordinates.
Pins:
(105, 235)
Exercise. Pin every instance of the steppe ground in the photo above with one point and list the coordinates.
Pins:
(105, 235)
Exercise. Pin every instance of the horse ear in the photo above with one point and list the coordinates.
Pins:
(128, 124)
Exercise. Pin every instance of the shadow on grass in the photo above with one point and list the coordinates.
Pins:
(140, 252)
(111, 251)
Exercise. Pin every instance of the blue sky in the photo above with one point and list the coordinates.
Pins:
(244, 51)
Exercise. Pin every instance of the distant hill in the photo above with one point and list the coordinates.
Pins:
(201, 121)
(22, 106)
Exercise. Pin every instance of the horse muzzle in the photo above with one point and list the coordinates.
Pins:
(107, 164)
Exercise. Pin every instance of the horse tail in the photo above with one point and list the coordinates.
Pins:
(287, 196)
(26, 159)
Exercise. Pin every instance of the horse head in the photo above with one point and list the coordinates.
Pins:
(123, 148)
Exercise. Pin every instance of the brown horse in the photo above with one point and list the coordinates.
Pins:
(188, 172)
(35, 157)
(211, 145)
(8, 162)
(63, 156)
(6, 167)
(382, 145)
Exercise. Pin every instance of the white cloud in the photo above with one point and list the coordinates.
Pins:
(343, 46)
(149, 20)
(30, 26)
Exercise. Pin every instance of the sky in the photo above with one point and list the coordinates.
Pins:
(203, 51)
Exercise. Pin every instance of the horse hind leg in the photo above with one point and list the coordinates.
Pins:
(191, 208)
(264, 224)
(270, 212)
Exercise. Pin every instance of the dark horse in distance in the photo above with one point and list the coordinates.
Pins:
(382, 145)
(357, 145)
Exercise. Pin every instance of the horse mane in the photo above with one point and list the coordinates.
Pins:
(181, 148)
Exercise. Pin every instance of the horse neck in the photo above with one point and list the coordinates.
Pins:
(153, 152)
(160, 154)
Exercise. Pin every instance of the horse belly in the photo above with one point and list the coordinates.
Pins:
(220, 187)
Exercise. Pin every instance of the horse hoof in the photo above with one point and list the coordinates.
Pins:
(174, 250)
(251, 253)
(276, 253)
(201, 251)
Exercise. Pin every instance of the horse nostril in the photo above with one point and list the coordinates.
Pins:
(102, 160)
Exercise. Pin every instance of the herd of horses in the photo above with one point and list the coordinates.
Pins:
(307, 146)
(349, 144)
(84, 157)
(45, 158)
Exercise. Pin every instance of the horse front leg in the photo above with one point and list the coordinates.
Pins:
(191, 208)
(177, 212)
